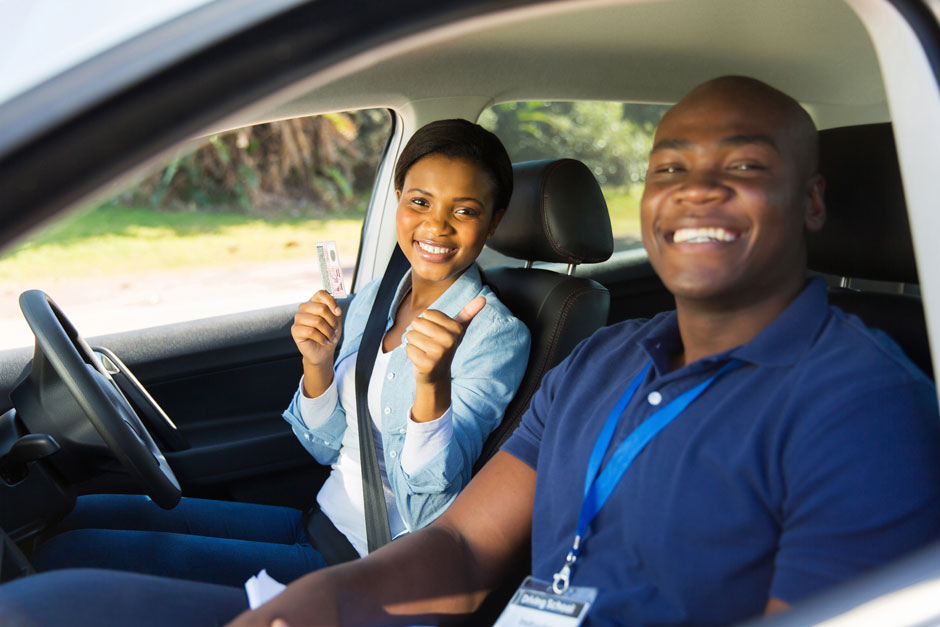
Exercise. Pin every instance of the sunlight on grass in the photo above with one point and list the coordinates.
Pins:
(624, 206)
(115, 240)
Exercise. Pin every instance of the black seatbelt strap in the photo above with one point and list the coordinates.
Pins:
(377, 531)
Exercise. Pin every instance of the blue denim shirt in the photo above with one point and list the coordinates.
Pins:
(485, 372)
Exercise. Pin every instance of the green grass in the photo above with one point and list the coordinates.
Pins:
(624, 206)
(115, 240)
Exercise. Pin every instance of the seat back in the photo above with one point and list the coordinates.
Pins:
(867, 236)
(557, 214)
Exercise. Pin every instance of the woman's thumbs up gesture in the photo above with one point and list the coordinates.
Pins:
(431, 344)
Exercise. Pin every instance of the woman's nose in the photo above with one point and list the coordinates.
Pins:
(437, 222)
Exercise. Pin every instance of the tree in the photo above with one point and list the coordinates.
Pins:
(303, 166)
(613, 139)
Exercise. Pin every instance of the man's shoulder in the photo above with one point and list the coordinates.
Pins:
(848, 348)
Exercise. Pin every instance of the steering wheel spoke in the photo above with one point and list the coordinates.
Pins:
(64, 361)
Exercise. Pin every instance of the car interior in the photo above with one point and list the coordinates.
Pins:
(203, 398)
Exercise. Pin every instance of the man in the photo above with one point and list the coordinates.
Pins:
(775, 472)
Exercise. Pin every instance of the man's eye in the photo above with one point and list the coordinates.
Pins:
(466, 211)
(747, 166)
(668, 169)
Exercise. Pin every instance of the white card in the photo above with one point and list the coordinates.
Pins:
(535, 605)
(331, 272)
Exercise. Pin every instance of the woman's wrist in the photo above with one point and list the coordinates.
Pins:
(317, 378)
(431, 401)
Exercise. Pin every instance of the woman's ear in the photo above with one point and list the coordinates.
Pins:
(398, 195)
(495, 222)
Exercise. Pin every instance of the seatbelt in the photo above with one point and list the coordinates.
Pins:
(377, 531)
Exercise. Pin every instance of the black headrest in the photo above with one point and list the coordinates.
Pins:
(557, 213)
(867, 235)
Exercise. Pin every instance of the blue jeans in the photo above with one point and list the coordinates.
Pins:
(213, 541)
(89, 598)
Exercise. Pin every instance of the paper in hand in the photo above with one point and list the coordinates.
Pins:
(331, 272)
(262, 588)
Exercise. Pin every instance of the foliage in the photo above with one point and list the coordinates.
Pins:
(293, 168)
(612, 138)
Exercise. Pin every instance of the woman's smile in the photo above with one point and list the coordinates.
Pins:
(434, 252)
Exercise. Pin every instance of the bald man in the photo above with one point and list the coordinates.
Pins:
(745, 451)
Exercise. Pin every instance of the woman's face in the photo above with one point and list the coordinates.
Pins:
(445, 214)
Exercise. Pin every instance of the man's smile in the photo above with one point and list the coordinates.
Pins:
(703, 235)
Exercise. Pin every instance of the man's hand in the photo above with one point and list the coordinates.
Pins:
(438, 573)
(431, 344)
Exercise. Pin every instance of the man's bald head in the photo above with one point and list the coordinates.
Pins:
(749, 94)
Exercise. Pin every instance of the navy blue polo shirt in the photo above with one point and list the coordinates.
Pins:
(817, 459)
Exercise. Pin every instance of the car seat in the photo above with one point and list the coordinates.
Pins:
(865, 246)
(557, 213)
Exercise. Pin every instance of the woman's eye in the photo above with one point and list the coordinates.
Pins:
(668, 169)
(421, 202)
(466, 211)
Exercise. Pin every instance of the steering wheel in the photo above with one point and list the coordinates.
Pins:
(81, 372)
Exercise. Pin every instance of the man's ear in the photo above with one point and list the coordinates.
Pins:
(815, 216)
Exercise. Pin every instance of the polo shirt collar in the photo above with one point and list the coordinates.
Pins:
(461, 292)
(784, 341)
(781, 343)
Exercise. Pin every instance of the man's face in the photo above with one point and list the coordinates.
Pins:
(728, 196)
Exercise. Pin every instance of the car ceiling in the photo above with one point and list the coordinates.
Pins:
(634, 51)
(445, 57)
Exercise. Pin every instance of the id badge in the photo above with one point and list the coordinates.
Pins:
(535, 605)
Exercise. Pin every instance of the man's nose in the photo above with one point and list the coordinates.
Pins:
(702, 187)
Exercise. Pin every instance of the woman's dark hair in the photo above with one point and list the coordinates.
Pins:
(460, 139)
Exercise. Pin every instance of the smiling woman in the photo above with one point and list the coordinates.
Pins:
(450, 361)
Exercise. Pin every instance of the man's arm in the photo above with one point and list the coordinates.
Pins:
(444, 570)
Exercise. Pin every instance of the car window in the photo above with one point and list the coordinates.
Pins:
(227, 225)
(612, 138)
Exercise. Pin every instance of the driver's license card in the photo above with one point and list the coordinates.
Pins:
(535, 605)
(331, 272)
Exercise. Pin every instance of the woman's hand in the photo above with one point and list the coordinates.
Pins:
(317, 328)
(316, 331)
(432, 342)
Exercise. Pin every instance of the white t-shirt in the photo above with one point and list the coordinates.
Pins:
(341, 498)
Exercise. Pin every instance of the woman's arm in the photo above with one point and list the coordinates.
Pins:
(485, 374)
(321, 431)
(432, 342)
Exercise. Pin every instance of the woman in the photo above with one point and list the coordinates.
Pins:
(449, 363)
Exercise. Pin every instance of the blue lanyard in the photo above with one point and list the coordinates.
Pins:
(597, 489)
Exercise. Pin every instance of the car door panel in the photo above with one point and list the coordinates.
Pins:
(223, 382)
